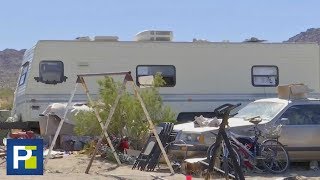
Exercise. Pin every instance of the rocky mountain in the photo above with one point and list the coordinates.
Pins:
(10, 62)
(311, 35)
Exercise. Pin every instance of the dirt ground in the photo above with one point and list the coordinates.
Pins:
(73, 167)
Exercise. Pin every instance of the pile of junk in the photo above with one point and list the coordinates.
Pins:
(181, 141)
(69, 141)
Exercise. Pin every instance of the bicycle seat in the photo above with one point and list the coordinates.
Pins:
(255, 120)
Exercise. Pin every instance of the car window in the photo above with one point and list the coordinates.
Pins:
(303, 114)
(266, 110)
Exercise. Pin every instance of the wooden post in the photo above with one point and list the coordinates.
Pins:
(105, 127)
(153, 128)
(112, 110)
(105, 133)
(60, 125)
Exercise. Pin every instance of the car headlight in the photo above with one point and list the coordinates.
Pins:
(195, 138)
(201, 139)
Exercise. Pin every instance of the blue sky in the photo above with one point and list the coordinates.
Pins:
(25, 22)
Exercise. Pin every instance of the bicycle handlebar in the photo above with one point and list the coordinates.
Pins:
(221, 110)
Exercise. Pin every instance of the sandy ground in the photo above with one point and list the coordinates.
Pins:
(73, 167)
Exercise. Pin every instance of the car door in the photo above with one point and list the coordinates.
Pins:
(301, 132)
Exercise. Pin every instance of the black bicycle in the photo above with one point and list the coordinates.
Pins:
(268, 155)
(224, 158)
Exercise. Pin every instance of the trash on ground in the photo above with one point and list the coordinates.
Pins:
(54, 154)
(74, 143)
(193, 166)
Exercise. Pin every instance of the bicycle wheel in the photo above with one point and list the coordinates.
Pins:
(222, 161)
(275, 157)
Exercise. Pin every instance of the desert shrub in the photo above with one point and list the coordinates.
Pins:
(129, 118)
(6, 98)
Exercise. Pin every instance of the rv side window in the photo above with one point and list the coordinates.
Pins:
(265, 76)
(51, 72)
(23, 73)
(146, 73)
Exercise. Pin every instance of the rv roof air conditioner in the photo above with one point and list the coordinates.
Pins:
(106, 38)
(199, 40)
(83, 38)
(254, 40)
(152, 35)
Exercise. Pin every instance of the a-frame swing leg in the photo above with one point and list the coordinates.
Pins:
(60, 125)
(96, 112)
(105, 127)
(153, 128)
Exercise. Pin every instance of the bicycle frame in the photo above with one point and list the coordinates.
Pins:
(224, 112)
(251, 155)
(242, 146)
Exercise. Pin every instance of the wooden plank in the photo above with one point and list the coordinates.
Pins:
(152, 127)
(60, 125)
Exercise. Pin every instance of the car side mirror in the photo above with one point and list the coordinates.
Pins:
(284, 121)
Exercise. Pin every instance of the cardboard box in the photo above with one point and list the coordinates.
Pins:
(293, 91)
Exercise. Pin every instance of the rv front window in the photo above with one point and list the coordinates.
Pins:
(23, 73)
(145, 74)
(51, 72)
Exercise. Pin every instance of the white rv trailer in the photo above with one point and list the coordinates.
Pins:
(199, 75)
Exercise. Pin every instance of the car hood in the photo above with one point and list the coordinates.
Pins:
(233, 122)
(189, 128)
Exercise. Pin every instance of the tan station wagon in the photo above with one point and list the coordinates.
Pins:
(300, 119)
